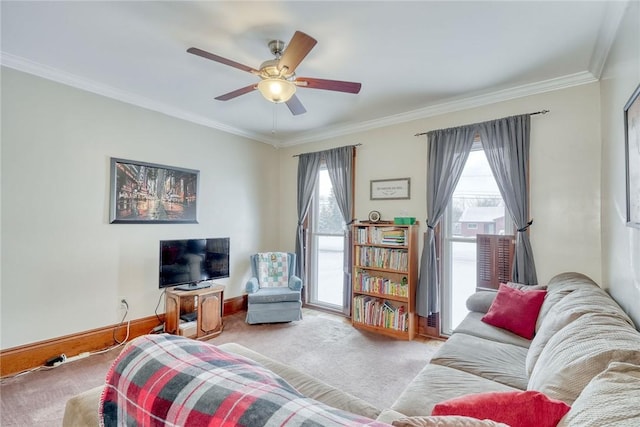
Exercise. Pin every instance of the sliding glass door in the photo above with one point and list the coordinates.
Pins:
(476, 208)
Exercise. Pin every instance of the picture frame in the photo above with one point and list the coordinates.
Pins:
(632, 157)
(149, 193)
(390, 189)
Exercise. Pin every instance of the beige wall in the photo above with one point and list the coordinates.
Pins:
(620, 244)
(63, 264)
(565, 174)
(57, 141)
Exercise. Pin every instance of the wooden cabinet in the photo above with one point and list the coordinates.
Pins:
(207, 306)
(385, 276)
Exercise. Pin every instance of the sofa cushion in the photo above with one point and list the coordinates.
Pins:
(495, 361)
(517, 408)
(308, 385)
(515, 310)
(525, 287)
(610, 399)
(569, 308)
(560, 286)
(480, 301)
(580, 351)
(473, 325)
(82, 409)
(446, 421)
(435, 383)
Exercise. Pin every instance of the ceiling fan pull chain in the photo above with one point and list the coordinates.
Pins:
(274, 124)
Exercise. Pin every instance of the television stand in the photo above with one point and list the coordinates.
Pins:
(205, 303)
(193, 286)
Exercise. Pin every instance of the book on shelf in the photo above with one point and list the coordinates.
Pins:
(378, 257)
(381, 313)
(381, 235)
(365, 282)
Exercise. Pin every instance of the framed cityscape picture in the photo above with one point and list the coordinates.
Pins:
(149, 193)
(632, 154)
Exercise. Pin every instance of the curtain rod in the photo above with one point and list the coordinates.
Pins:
(531, 114)
(355, 145)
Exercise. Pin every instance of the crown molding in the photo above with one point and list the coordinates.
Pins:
(449, 106)
(614, 13)
(69, 79)
(50, 73)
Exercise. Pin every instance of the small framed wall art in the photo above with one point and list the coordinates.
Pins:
(149, 193)
(390, 189)
(632, 157)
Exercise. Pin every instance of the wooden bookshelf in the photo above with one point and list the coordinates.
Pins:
(385, 276)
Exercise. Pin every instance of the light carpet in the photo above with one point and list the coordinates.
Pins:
(370, 366)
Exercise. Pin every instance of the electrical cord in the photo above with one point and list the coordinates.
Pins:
(158, 305)
(126, 311)
(5, 379)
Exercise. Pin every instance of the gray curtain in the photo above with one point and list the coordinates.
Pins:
(340, 167)
(308, 167)
(448, 151)
(506, 144)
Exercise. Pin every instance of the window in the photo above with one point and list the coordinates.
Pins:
(475, 210)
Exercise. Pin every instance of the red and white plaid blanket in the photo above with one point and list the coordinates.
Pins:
(167, 380)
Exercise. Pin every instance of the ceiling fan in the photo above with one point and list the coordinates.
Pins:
(278, 81)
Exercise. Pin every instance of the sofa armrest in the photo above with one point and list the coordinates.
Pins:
(252, 285)
(481, 301)
(295, 283)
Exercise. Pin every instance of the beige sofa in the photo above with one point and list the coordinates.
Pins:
(586, 352)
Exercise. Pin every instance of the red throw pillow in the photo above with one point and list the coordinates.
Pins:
(515, 408)
(515, 310)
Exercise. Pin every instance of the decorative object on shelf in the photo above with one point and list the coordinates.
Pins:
(150, 193)
(632, 151)
(374, 216)
(390, 189)
(406, 220)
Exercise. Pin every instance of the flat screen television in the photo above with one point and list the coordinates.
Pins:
(187, 263)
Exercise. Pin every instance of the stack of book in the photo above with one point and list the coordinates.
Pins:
(376, 312)
(395, 237)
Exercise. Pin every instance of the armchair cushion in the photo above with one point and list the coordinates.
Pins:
(273, 269)
(295, 283)
(252, 285)
(269, 295)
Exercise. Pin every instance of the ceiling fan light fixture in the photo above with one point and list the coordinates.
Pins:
(277, 90)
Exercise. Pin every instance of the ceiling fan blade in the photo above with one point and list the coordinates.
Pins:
(295, 106)
(299, 46)
(220, 59)
(236, 93)
(335, 85)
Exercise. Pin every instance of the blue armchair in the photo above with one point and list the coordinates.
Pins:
(274, 291)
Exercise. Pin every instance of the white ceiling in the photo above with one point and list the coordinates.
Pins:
(414, 59)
